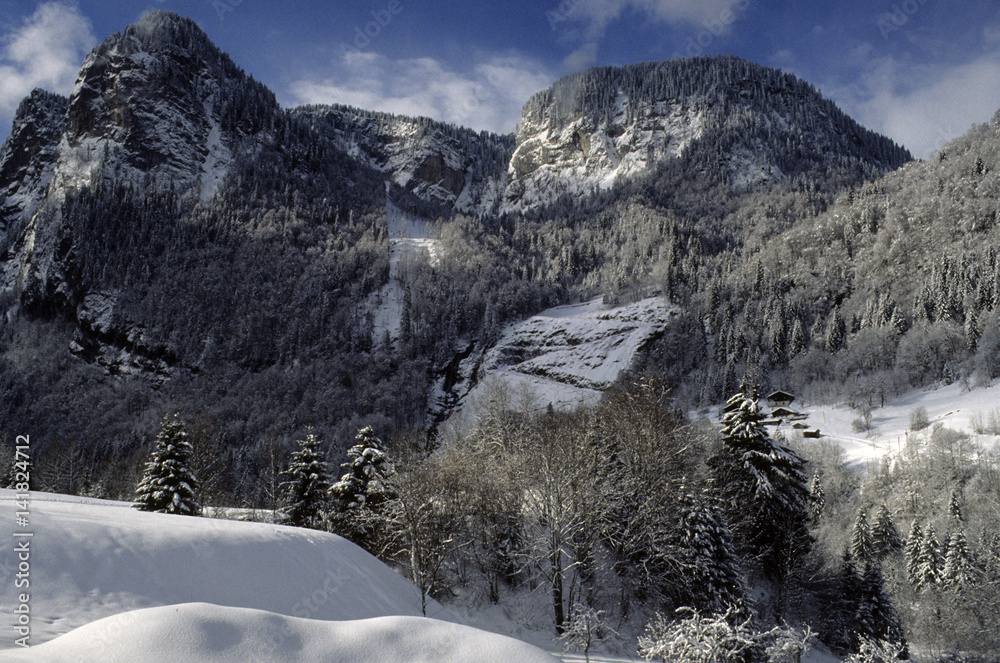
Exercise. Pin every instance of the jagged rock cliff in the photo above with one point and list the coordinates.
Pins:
(451, 167)
(612, 125)
(29, 156)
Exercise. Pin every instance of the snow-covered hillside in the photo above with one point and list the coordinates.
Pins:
(93, 559)
(565, 355)
(953, 406)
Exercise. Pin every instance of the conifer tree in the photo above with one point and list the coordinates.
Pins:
(762, 486)
(306, 485)
(928, 561)
(876, 615)
(168, 484)
(914, 544)
(362, 489)
(836, 333)
(958, 568)
(955, 507)
(706, 552)
(848, 603)
(862, 546)
(797, 341)
(817, 498)
(885, 536)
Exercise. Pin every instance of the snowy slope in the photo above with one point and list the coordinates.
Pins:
(95, 558)
(565, 355)
(212, 634)
(953, 406)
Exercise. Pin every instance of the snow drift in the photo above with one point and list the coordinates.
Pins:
(212, 634)
(119, 572)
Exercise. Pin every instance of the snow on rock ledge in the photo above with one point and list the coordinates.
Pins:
(566, 355)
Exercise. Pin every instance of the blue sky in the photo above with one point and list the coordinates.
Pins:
(921, 71)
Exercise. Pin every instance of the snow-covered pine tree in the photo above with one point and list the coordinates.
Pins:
(943, 552)
(958, 567)
(797, 342)
(761, 484)
(705, 548)
(362, 489)
(836, 333)
(877, 609)
(914, 543)
(305, 486)
(168, 484)
(862, 545)
(817, 498)
(928, 561)
(955, 507)
(847, 605)
(885, 535)
(366, 470)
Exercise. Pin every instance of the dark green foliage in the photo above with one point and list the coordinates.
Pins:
(876, 616)
(862, 544)
(305, 486)
(928, 562)
(958, 570)
(168, 484)
(761, 484)
(362, 491)
(885, 535)
(707, 557)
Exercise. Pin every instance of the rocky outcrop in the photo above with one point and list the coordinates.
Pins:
(28, 157)
(457, 168)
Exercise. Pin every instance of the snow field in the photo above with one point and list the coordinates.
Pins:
(208, 633)
(218, 591)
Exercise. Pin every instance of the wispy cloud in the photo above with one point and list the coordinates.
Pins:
(923, 107)
(487, 95)
(45, 51)
(586, 21)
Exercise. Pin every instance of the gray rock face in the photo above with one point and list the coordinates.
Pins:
(148, 106)
(438, 163)
(28, 157)
(584, 153)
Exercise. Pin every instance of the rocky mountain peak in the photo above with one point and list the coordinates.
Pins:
(160, 100)
(609, 125)
(28, 156)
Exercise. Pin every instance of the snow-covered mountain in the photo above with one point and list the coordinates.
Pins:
(158, 102)
(29, 156)
(169, 221)
(613, 125)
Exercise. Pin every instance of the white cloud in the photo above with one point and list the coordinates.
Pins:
(488, 95)
(45, 51)
(924, 107)
(590, 18)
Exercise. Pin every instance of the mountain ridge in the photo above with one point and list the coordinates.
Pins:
(203, 249)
